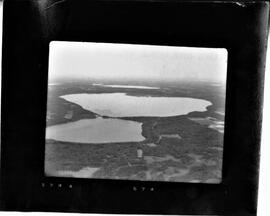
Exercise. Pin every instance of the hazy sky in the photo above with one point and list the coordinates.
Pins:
(138, 62)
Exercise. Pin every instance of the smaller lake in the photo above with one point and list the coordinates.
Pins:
(97, 130)
(125, 86)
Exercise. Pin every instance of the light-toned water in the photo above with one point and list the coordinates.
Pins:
(125, 86)
(110, 130)
(85, 172)
(96, 131)
(211, 123)
(123, 105)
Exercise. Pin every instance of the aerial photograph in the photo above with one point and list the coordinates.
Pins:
(135, 112)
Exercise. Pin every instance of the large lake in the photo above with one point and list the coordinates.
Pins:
(108, 130)
(123, 105)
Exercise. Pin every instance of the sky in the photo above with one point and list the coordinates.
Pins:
(85, 60)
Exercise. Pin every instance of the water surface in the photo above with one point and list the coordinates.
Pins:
(126, 86)
(97, 130)
(123, 105)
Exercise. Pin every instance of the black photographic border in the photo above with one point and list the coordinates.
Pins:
(28, 28)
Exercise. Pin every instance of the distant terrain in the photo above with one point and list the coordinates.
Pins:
(184, 148)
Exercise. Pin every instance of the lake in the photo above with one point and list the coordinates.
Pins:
(97, 130)
(125, 86)
(123, 105)
(109, 130)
